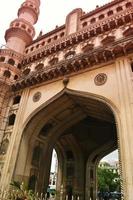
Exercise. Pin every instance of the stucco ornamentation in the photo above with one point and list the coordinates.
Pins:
(100, 79)
(37, 96)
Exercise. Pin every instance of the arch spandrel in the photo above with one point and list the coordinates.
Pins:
(83, 82)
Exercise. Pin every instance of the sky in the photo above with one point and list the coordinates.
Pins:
(110, 158)
(52, 13)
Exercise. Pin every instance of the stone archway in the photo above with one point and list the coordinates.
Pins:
(75, 123)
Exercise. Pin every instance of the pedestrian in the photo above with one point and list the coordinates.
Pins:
(48, 192)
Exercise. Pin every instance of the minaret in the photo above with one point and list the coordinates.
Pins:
(21, 31)
(20, 34)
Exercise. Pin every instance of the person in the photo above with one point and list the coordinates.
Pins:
(48, 192)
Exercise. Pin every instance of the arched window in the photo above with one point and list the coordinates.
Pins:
(15, 77)
(43, 43)
(128, 5)
(32, 48)
(11, 61)
(62, 34)
(16, 99)
(29, 30)
(19, 66)
(7, 73)
(37, 46)
(84, 24)
(93, 20)
(17, 24)
(49, 40)
(69, 55)
(23, 26)
(108, 40)
(55, 37)
(2, 59)
(11, 120)
(110, 13)
(88, 48)
(27, 51)
(36, 156)
(4, 146)
(53, 61)
(39, 66)
(46, 129)
(119, 9)
(101, 17)
(26, 71)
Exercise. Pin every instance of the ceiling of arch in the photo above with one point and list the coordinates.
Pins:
(89, 121)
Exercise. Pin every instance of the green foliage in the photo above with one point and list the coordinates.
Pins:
(108, 180)
(18, 191)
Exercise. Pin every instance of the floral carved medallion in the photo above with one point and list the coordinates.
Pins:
(100, 79)
(37, 96)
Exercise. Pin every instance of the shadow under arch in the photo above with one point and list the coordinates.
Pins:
(113, 108)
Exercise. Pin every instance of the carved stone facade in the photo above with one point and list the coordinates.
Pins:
(68, 90)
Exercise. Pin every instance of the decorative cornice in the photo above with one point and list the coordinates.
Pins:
(77, 64)
(93, 30)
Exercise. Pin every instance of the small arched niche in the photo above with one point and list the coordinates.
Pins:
(108, 40)
(16, 99)
(11, 62)
(39, 66)
(26, 71)
(36, 156)
(53, 61)
(11, 121)
(69, 54)
(128, 32)
(88, 48)
(7, 74)
(4, 147)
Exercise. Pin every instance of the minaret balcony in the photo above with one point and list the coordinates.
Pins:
(22, 33)
(24, 25)
(4, 53)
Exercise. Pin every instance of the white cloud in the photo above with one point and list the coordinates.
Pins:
(111, 157)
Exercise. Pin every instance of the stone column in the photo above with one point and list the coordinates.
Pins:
(125, 124)
(59, 175)
(14, 145)
(44, 171)
(4, 106)
(79, 186)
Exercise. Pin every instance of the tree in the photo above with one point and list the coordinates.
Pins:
(108, 180)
